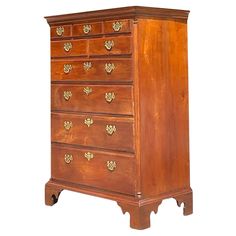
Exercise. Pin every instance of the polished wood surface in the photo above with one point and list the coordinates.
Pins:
(108, 26)
(122, 45)
(97, 72)
(96, 28)
(94, 172)
(67, 31)
(95, 101)
(138, 86)
(163, 106)
(79, 47)
(95, 135)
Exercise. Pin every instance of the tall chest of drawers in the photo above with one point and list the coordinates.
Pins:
(119, 108)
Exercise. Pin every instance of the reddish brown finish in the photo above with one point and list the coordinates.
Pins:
(122, 71)
(133, 12)
(122, 45)
(163, 106)
(108, 26)
(96, 28)
(150, 111)
(95, 135)
(94, 172)
(139, 215)
(79, 48)
(67, 31)
(94, 101)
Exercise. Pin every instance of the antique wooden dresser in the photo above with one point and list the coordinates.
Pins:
(119, 108)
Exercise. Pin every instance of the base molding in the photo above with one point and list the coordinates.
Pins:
(138, 207)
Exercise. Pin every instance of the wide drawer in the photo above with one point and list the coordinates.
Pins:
(113, 99)
(104, 170)
(95, 131)
(92, 70)
(110, 45)
(65, 48)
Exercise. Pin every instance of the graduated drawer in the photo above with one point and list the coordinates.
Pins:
(110, 45)
(61, 31)
(104, 170)
(92, 70)
(114, 99)
(95, 131)
(64, 48)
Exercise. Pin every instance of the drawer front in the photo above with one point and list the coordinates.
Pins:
(89, 167)
(61, 31)
(96, 70)
(95, 131)
(110, 46)
(87, 29)
(113, 99)
(69, 48)
(116, 26)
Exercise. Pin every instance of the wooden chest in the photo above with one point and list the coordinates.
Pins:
(119, 108)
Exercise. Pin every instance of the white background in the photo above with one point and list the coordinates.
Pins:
(25, 126)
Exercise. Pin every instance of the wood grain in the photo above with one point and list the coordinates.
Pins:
(163, 106)
(97, 72)
(95, 135)
(94, 101)
(94, 172)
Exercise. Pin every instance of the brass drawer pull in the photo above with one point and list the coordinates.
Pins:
(67, 95)
(111, 165)
(111, 129)
(67, 68)
(60, 30)
(109, 44)
(88, 121)
(117, 26)
(67, 47)
(68, 158)
(110, 96)
(87, 65)
(87, 28)
(67, 125)
(109, 67)
(88, 155)
(87, 90)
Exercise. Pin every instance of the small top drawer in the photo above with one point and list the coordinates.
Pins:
(87, 29)
(116, 26)
(61, 31)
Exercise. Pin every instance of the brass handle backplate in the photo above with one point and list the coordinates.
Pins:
(68, 158)
(117, 26)
(111, 165)
(67, 46)
(87, 28)
(111, 129)
(88, 121)
(60, 30)
(67, 68)
(67, 95)
(67, 125)
(109, 44)
(109, 67)
(109, 96)
(87, 65)
(88, 155)
(88, 90)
